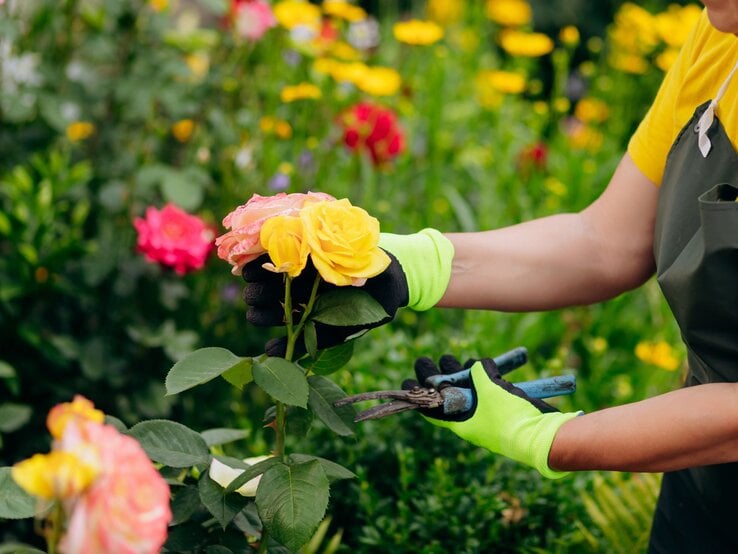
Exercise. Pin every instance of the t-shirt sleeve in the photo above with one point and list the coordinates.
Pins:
(650, 144)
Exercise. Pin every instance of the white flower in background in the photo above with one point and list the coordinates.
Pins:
(244, 157)
(364, 34)
(224, 475)
(70, 111)
(17, 70)
(302, 33)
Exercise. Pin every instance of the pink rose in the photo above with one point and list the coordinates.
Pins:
(241, 244)
(126, 508)
(252, 18)
(174, 238)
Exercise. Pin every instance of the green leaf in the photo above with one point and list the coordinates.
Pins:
(219, 436)
(329, 360)
(185, 502)
(323, 393)
(15, 503)
(115, 422)
(240, 374)
(13, 416)
(201, 366)
(282, 380)
(252, 471)
(334, 471)
(16, 548)
(292, 501)
(224, 507)
(6, 370)
(311, 339)
(171, 443)
(347, 306)
(181, 189)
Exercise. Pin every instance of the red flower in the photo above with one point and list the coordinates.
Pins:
(533, 157)
(370, 127)
(174, 238)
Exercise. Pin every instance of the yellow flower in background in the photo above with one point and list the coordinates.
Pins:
(674, 25)
(379, 81)
(509, 13)
(348, 72)
(506, 82)
(293, 13)
(57, 475)
(199, 64)
(273, 125)
(528, 45)
(79, 408)
(628, 63)
(445, 12)
(667, 58)
(282, 237)
(569, 35)
(343, 241)
(344, 51)
(343, 10)
(80, 130)
(634, 30)
(159, 5)
(659, 353)
(561, 104)
(302, 91)
(183, 129)
(417, 32)
(555, 187)
(590, 110)
(583, 137)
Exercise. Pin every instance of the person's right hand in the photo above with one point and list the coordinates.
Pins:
(265, 290)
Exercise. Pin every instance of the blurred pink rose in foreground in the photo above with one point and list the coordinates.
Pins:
(126, 508)
(241, 244)
(174, 238)
(252, 18)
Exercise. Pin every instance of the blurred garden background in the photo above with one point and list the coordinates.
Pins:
(458, 115)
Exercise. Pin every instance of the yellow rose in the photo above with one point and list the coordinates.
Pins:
(282, 238)
(55, 475)
(343, 242)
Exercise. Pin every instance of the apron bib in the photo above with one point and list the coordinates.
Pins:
(696, 252)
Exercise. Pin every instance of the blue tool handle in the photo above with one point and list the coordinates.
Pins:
(505, 364)
(457, 400)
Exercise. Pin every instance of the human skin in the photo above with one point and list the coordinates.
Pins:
(581, 258)
(723, 14)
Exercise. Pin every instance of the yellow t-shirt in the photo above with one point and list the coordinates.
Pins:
(703, 64)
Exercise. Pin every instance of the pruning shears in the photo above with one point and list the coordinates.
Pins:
(450, 390)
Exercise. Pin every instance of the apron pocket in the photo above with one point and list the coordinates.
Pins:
(719, 217)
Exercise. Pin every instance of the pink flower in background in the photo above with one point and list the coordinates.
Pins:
(174, 238)
(241, 244)
(252, 18)
(371, 127)
(126, 508)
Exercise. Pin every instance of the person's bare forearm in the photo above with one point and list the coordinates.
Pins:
(689, 427)
(562, 260)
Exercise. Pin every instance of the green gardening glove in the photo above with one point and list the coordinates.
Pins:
(503, 419)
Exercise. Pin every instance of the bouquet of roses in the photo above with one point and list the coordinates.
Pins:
(323, 241)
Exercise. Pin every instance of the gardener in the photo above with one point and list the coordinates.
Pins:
(670, 208)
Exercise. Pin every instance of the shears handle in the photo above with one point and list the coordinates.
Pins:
(457, 399)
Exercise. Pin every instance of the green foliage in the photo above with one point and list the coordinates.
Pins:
(621, 507)
(82, 312)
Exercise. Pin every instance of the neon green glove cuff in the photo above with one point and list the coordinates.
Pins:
(426, 259)
(509, 425)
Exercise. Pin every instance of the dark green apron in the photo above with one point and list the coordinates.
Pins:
(696, 251)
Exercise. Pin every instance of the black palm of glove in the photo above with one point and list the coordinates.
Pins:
(264, 294)
(425, 368)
